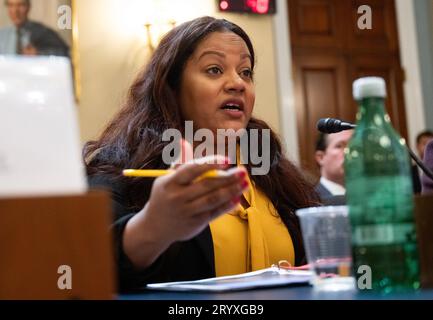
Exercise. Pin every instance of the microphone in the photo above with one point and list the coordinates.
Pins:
(331, 125)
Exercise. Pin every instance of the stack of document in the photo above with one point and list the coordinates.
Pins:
(269, 277)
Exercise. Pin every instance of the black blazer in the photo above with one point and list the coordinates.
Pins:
(322, 191)
(327, 198)
(186, 260)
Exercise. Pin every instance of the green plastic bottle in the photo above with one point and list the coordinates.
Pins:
(379, 195)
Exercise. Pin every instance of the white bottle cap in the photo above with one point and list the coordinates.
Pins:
(369, 87)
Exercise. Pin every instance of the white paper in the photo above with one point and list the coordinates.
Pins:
(40, 152)
(269, 277)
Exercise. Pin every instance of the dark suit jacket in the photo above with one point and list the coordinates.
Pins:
(327, 198)
(187, 260)
(322, 191)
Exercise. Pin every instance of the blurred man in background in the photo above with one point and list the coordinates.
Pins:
(330, 158)
(27, 37)
(422, 139)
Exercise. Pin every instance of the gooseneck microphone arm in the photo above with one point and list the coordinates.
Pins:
(420, 164)
(331, 125)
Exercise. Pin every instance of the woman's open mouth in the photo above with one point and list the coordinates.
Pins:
(233, 109)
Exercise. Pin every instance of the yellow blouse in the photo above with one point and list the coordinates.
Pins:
(249, 239)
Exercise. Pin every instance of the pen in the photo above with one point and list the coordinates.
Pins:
(150, 173)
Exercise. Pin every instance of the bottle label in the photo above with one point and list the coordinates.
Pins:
(383, 234)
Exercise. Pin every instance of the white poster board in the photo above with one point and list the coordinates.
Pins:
(40, 151)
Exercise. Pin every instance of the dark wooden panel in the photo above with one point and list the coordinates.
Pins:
(320, 91)
(315, 19)
(314, 23)
(37, 235)
(424, 226)
(387, 67)
(382, 37)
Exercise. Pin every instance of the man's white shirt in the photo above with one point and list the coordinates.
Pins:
(335, 188)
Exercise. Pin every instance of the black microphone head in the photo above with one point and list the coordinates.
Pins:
(329, 125)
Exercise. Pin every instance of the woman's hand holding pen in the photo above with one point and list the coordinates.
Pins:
(180, 207)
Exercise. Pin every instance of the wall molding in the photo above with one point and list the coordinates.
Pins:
(283, 58)
(410, 60)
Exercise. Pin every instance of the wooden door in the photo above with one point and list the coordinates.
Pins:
(330, 52)
(319, 80)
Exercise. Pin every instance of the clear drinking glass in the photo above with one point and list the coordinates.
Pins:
(327, 240)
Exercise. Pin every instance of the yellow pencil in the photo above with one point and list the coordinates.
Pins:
(150, 173)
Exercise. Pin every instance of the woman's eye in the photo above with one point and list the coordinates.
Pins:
(247, 73)
(214, 70)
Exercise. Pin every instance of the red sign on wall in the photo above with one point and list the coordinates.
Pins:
(248, 6)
